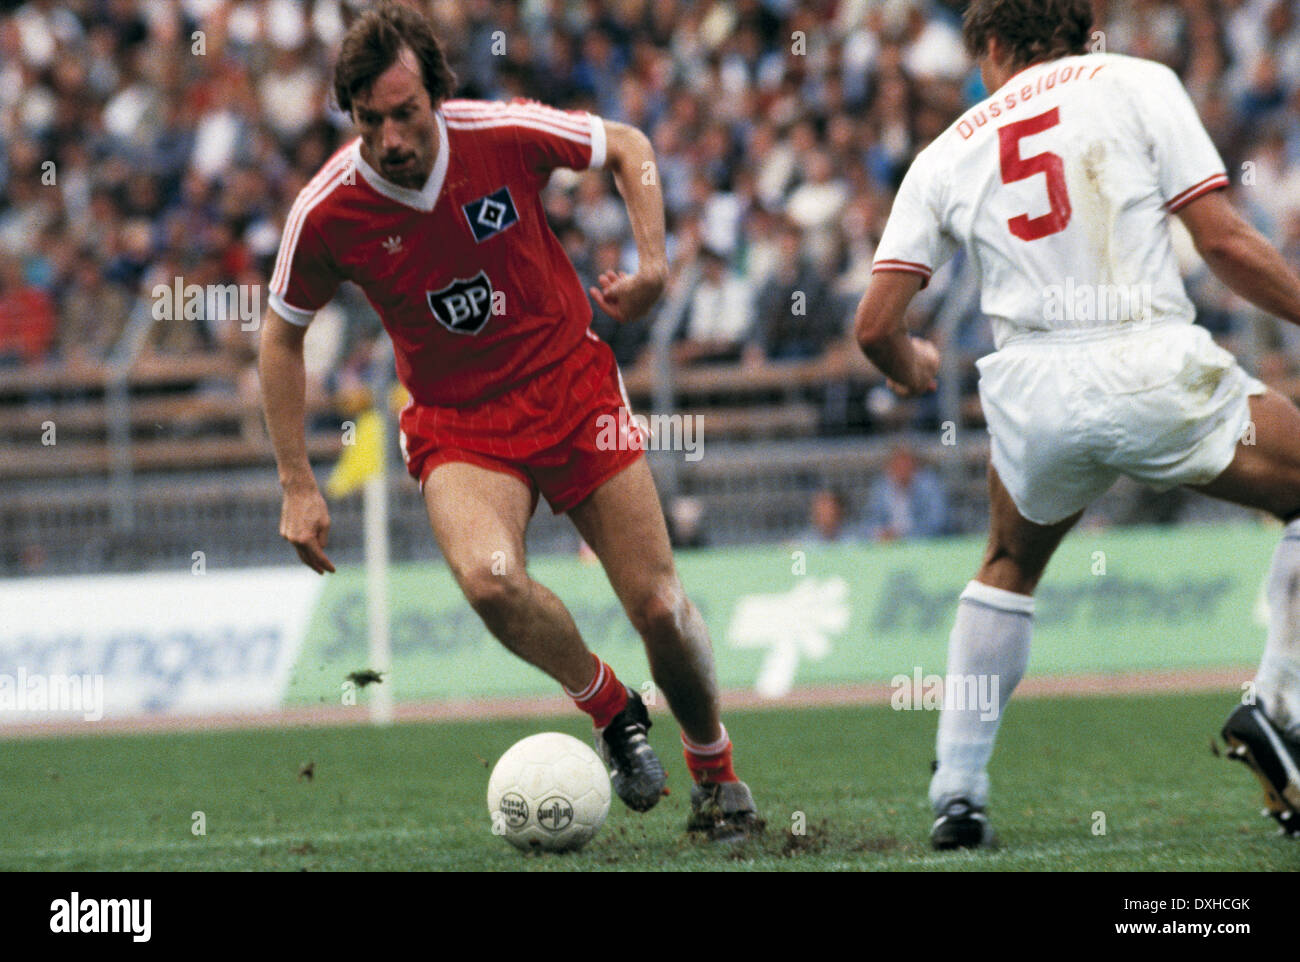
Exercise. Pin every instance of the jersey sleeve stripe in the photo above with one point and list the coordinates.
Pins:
(308, 196)
(571, 124)
(306, 200)
(909, 265)
(469, 111)
(559, 118)
(903, 267)
(565, 133)
(293, 230)
(1191, 193)
(294, 315)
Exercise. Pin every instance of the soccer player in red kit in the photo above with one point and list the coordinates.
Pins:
(435, 213)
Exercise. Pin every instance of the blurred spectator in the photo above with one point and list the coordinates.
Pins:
(827, 512)
(907, 501)
(597, 213)
(685, 518)
(27, 318)
(816, 204)
(93, 315)
(719, 316)
(795, 316)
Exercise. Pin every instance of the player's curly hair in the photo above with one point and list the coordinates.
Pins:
(1032, 30)
(373, 44)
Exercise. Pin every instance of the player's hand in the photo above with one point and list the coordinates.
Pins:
(305, 524)
(625, 297)
(925, 370)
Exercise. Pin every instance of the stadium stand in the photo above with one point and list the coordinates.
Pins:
(143, 141)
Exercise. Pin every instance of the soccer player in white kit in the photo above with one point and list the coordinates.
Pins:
(1061, 186)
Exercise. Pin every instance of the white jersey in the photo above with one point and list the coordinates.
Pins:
(1060, 186)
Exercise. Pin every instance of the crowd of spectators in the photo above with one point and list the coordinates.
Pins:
(907, 500)
(143, 140)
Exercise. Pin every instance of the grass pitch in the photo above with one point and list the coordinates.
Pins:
(413, 796)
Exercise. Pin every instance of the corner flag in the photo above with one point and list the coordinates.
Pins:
(361, 460)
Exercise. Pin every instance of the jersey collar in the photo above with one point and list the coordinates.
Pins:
(424, 199)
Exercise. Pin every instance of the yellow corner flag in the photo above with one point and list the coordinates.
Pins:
(361, 460)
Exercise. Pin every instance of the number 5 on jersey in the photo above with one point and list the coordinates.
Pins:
(1050, 165)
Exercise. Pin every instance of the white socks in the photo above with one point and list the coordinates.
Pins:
(1278, 682)
(989, 649)
(987, 654)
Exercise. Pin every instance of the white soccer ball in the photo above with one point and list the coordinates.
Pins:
(548, 792)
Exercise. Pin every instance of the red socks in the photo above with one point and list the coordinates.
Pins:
(603, 698)
(709, 764)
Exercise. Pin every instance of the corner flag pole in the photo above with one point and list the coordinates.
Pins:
(375, 496)
(375, 520)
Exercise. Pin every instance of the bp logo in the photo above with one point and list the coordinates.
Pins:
(491, 214)
(463, 306)
(514, 809)
(555, 814)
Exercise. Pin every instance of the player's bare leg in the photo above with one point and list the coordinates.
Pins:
(987, 652)
(479, 518)
(1018, 550)
(1265, 474)
(624, 524)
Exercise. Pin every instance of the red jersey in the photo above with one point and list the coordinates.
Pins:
(466, 275)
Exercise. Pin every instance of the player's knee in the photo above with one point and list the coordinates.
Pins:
(493, 591)
(661, 610)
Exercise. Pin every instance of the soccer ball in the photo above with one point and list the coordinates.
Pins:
(548, 792)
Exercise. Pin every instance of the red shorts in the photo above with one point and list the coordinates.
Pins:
(564, 432)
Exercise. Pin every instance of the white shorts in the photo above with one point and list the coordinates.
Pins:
(1071, 412)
